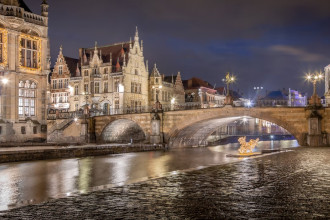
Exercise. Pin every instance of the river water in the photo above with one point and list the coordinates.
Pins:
(38, 181)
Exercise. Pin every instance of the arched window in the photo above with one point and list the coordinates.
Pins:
(27, 98)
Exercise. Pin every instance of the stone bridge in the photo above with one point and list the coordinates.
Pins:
(308, 126)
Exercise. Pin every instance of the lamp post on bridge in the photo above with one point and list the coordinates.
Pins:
(315, 134)
(314, 78)
(230, 78)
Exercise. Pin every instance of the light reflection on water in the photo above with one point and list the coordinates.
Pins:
(38, 181)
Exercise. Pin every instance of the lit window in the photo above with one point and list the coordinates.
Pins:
(3, 46)
(27, 98)
(29, 51)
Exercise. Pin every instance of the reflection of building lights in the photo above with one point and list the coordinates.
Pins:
(271, 136)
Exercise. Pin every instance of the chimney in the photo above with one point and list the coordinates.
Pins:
(189, 83)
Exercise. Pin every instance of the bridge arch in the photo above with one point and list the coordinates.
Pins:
(198, 133)
(189, 123)
(122, 131)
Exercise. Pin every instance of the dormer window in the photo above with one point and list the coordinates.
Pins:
(60, 70)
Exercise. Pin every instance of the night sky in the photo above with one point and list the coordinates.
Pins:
(269, 43)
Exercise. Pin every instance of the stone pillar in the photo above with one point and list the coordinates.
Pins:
(156, 136)
(314, 137)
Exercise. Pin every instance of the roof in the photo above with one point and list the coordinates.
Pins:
(275, 95)
(72, 64)
(169, 79)
(116, 51)
(195, 83)
(18, 3)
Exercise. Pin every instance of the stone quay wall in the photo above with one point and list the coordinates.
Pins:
(45, 154)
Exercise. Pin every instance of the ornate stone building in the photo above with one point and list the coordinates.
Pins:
(64, 69)
(24, 66)
(110, 79)
(169, 89)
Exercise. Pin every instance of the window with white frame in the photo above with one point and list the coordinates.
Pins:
(76, 89)
(106, 89)
(54, 84)
(66, 83)
(60, 84)
(60, 70)
(27, 98)
(86, 88)
(97, 87)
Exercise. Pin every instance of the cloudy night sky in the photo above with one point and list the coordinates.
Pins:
(264, 43)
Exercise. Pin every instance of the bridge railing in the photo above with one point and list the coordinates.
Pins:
(53, 115)
(64, 115)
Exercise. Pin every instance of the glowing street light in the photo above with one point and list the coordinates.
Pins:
(4, 81)
(230, 78)
(314, 78)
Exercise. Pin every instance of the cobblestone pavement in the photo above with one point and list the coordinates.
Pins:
(291, 185)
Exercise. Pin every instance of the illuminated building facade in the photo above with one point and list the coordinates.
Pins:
(169, 89)
(24, 66)
(109, 79)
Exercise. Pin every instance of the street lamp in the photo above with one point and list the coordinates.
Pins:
(230, 78)
(314, 78)
(4, 81)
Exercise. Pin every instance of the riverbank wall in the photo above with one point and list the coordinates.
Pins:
(46, 153)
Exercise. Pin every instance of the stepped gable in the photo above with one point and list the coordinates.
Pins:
(17, 3)
(117, 51)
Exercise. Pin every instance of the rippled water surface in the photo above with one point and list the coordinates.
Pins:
(38, 181)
